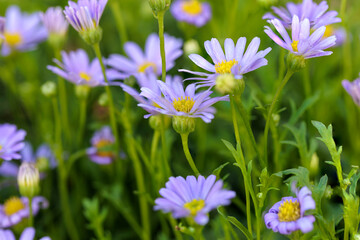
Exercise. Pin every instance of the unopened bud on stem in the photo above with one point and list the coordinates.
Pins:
(28, 180)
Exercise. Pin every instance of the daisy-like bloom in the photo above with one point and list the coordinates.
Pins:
(43, 158)
(102, 149)
(139, 62)
(77, 68)
(191, 11)
(54, 21)
(173, 100)
(353, 88)
(288, 215)
(192, 197)
(85, 14)
(338, 32)
(22, 31)
(316, 13)
(301, 42)
(27, 234)
(15, 209)
(11, 141)
(233, 61)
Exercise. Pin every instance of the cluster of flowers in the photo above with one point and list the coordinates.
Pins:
(308, 23)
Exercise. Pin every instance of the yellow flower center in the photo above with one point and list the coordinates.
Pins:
(142, 68)
(192, 7)
(0, 147)
(13, 205)
(289, 211)
(225, 66)
(329, 31)
(194, 206)
(12, 39)
(294, 45)
(102, 144)
(183, 104)
(85, 76)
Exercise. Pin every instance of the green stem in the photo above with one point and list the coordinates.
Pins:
(111, 101)
(246, 121)
(346, 231)
(154, 145)
(238, 142)
(115, 7)
(160, 17)
(177, 233)
(63, 101)
(198, 233)
(31, 216)
(63, 191)
(271, 110)
(82, 120)
(166, 167)
(184, 139)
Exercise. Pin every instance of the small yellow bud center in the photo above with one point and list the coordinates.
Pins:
(183, 104)
(85, 76)
(289, 211)
(225, 66)
(195, 206)
(192, 7)
(329, 31)
(294, 45)
(102, 144)
(12, 39)
(13, 205)
(142, 68)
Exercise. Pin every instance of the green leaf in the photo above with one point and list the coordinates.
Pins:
(217, 171)
(236, 223)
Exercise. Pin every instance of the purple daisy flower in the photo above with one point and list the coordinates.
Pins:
(173, 100)
(22, 31)
(193, 197)
(11, 141)
(140, 61)
(102, 143)
(302, 43)
(77, 68)
(338, 32)
(316, 13)
(15, 209)
(288, 215)
(27, 234)
(85, 14)
(191, 11)
(233, 61)
(43, 158)
(353, 88)
(54, 21)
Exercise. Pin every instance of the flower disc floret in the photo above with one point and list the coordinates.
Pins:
(192, 12)
(13, 205)
(289, 211)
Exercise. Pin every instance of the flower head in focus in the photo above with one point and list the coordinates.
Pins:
(288, 215)
(316, 14)
(77, 68)
(301, 42)
(85, 16)
(102, 149)
(15, 209)
(193, 198)
(21, 32)
(235, 60)
(174, 100)
(27, 234)
(139, 62)
(11, 141)
(353, 89)
(191, 11)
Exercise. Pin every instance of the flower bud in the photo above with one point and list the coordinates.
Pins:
(48, 89)
(92, 36)
(28, 180)
(357, 236)
(159, 5)
(276, 118)
(155, 122)
(191, 46)
(295, 62)
(82, 91)
(183, 125)
(227, 83)
(103, 99)
(314, 164)
(328, 191)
